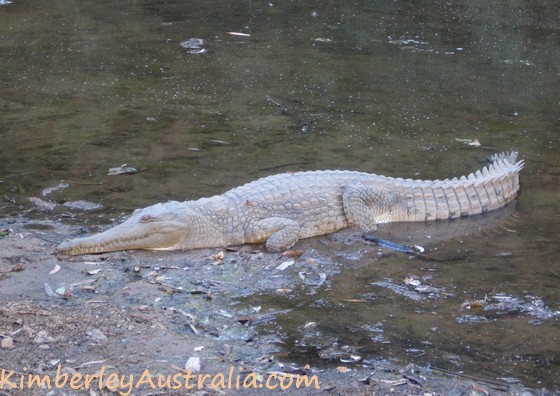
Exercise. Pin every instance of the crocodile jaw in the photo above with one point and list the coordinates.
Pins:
(164, 231)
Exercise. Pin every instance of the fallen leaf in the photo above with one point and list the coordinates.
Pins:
(95, 271)
(218, 256)
(285, 265)
(50, 292)
(4, 232)
(55, 269)
(292, 253)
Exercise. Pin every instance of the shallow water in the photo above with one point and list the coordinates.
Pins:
(385, 87)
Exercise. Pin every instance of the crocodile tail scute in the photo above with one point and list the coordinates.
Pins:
(497, 184)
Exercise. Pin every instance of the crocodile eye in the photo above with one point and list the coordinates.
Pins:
(147, 219)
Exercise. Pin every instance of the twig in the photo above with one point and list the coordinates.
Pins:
(83, 182)
(280, 106)
(491, 383)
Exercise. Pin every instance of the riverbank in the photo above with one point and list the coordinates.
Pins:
(170, 313)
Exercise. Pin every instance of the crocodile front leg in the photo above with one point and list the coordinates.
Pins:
(279, 233)
(367, 206)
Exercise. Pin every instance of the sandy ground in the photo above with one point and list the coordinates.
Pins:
(170, 313)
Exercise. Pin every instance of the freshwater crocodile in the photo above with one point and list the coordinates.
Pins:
(278, 210)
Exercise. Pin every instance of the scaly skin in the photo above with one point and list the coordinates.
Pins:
(281, 209)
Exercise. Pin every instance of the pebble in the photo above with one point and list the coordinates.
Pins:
(7, 343)
(43, 337)
(96, 334)
(193, 364)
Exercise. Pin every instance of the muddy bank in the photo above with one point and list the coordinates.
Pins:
(169, 312)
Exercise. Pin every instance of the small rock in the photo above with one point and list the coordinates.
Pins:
(28, 331)
(43, 337)
(7, 343)
(96, 335)
(193, 364)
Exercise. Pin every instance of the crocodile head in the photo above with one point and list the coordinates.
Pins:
(157, 227)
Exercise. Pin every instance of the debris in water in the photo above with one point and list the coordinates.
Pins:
(402, 290)
(470, 142)
(473, 304)
(534, 306)
(433, 292)
(192, 43)
(58, 187)
(280, 106)
(41, 204)
(124, 169)
(411, 281)
(82, 205)
(193, 46)
(285, 265)
(469, 319)
(419, 248)
(217, 141)
(239, 34)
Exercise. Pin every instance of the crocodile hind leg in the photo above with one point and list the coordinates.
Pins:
(367, 206)
(280, 233)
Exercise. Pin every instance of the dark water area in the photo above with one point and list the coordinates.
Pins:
(390, 87)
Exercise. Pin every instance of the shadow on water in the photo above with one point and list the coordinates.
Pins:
(386, 87)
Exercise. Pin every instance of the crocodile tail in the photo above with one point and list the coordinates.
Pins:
(487, 189)
(506, 184)
(492, 187)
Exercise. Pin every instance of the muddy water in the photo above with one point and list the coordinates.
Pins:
(386, 87)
